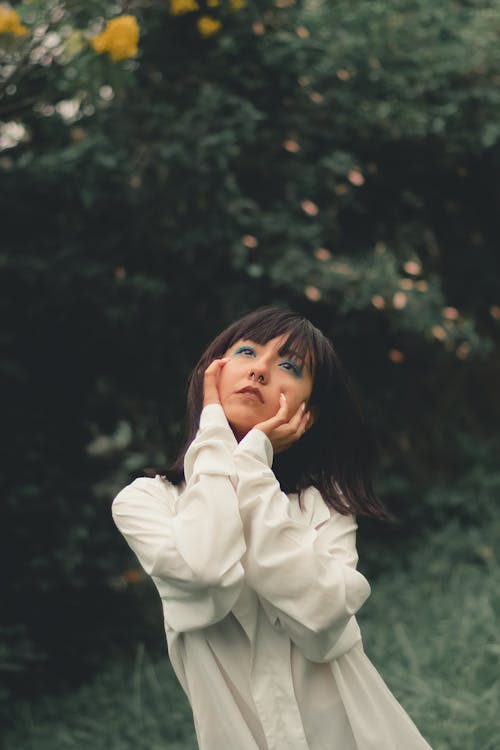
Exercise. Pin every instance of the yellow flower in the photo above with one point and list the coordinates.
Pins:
(213, 3)
(74, 43)
(179, 7)
(119, 38)
(10, 23)
(208, 26)
(237, 4)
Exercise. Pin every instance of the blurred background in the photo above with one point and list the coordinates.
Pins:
(167, 166)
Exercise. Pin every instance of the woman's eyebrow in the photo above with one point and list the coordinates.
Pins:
(286, 352)
(305, 362)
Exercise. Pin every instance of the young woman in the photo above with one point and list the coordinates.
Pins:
(250, 540)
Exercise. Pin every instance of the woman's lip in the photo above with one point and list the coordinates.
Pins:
(252, 392)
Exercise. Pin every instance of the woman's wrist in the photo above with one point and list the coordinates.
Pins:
(209, 401)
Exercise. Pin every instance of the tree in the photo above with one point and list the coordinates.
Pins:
(167, 173)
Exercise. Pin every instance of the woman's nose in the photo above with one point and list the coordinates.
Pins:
(258, 373)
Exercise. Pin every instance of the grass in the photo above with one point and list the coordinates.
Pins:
(436, 642)
(135, 705)
(431, 630)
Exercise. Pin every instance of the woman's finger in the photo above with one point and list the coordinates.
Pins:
(216, 365)
(297, 418)
(291, 427)
(280, 418)
(283, 407)
(210, 389)
(305, 423)
(299, 426)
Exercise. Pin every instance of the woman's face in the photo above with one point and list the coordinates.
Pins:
(251, 382)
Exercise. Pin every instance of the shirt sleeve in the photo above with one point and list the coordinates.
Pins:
(306, 577)
(191, 544)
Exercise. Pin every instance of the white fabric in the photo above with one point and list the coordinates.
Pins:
(259, 599)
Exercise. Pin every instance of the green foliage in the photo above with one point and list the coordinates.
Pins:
(17, 653)
(459, 509)
(341, 158)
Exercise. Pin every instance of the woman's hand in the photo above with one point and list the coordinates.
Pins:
(283, 430)
(211, 381)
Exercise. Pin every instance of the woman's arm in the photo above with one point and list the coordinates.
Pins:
(191, 545)
(307, 577)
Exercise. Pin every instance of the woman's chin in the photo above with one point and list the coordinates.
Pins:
(241, 427)
(243, 417)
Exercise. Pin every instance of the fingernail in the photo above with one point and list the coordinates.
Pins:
(303, 406)
(282, 397)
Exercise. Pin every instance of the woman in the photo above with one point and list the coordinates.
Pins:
(250, 540)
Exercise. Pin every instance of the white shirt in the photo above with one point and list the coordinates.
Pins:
(259, 599)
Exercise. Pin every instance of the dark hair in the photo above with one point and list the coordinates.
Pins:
(338, 455)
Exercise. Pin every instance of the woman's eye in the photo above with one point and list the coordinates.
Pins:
(292, 367)
(245, 350)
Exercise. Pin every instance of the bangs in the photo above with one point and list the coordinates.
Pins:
(299, 345)
(268, 323)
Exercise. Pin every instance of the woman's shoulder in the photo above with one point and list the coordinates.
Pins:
(310, 509)
(164, 485)
(313, 510)
(158, 487)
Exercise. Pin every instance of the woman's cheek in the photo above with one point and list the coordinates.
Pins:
(293, 400)
(225, 376)
(273, 405)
